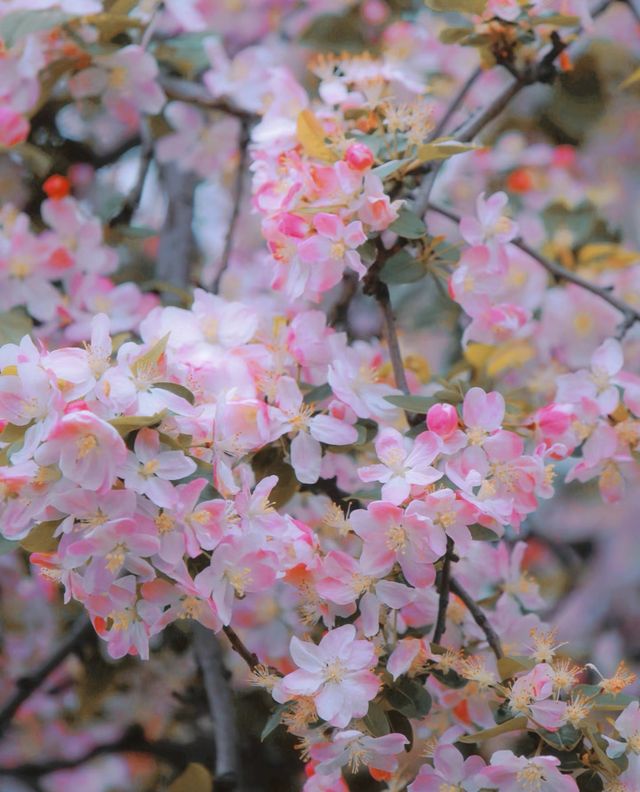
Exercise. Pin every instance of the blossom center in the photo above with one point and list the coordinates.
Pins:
(531, 778)
(149, 468)
(165, 523)
(85, 445)
(335, 672)
(396, 537)
(115, 559)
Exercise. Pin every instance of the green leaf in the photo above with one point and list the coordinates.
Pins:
(376, 720)
(461, 6)
(400, 724)
(40, 538)
(334, 33)
(565, 739)
(452, 35)
(7, 546)
(482, 534)
(185, 51)
(443, 148)
(177, 389)
(137, 232)
(402, 268)
(274, 720)
(558, 20)
(388, 168)
(196, 778)
(509, 667)
(514, 724)
(14, 325)
(18, 24)
(125, 424)
(408, 225)
(317, 394)
(450, 679)
(415, 404)
(365, 494)
(409, 697)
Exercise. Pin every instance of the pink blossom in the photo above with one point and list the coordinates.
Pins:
(88, 451)
(449, 769)
(403, 464)
(336, 672)
(511, 773)
(355, 748)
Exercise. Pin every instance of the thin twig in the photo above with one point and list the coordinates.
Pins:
(250, 658)
(629, 313)
(186, 91)
(457, 100)
(27, 685)
(132, 202)
(384, 301)
(479, 617)
(445, 586)
(243, 146)
(221, 707)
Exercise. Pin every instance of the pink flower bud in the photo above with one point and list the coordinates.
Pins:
(554, 420)
(442, 419)
(359, 156)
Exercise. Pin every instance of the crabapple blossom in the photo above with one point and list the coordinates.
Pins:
(336, 672)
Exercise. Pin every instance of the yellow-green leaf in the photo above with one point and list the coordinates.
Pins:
(632, 79)
(311, 136)
(515, 724)
(131, 423)
(510, 666)
(443, 148)
(462, 6)
(196, 778)
(147, 362)
(40, 538)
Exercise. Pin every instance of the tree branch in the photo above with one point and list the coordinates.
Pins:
(243, 145)
(221, 706)
(629, 313)
(384, 301)
(250, 658)
(176, 244)
(457, 100)
(479, 617)
(186, 91)
(443, 601)
(27, 685)
(132, 741)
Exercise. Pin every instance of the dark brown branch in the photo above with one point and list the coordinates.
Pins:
(445, 587)
(250, 658)
(132, 202)
(629, 313)
(133, 741)
(243, 146)
(479, 617)
(221, 706)
(384, 301)
(27, 685)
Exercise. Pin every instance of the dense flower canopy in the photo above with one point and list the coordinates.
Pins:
(320, 331)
